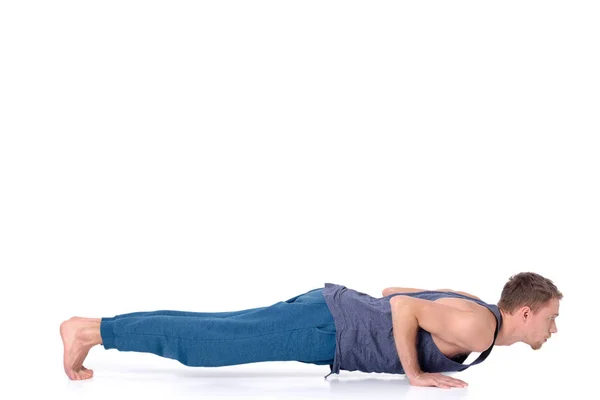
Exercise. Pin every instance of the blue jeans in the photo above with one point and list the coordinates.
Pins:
(299, 329)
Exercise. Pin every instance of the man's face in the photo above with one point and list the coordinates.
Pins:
(542, 324)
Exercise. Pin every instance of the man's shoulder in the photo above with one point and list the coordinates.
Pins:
(484, 314)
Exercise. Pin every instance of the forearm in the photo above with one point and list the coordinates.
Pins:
(392, 290)
(405, 327)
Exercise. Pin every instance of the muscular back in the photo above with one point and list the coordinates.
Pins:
(451, 350)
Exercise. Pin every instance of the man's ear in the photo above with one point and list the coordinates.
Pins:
(525, 313)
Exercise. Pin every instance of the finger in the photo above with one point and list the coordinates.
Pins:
(455, 381)
(445, 382)
(447, 379)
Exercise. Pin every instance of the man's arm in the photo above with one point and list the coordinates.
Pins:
(456, 291)
(467, 329)
(405, 327)
(392, 290)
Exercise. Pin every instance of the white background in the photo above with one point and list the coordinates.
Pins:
(218, 156)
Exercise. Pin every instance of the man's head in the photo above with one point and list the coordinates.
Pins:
(531, 302)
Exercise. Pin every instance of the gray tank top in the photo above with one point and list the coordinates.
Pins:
(365, 340)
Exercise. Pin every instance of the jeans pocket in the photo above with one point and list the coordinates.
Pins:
(326, 328)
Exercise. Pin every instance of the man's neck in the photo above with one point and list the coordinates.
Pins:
(506, 335)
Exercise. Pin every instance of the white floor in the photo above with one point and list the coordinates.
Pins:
(125, 375)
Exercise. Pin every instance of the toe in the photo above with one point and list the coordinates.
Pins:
(84, 373)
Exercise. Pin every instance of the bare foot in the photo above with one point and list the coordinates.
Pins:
(79, 335)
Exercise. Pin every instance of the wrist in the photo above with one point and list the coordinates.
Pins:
(413, 375)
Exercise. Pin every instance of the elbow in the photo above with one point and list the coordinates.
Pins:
(396, 301)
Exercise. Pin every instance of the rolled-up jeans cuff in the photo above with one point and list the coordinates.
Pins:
(107, 333)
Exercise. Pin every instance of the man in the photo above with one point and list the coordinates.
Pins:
(416, 332)
(461, 324)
